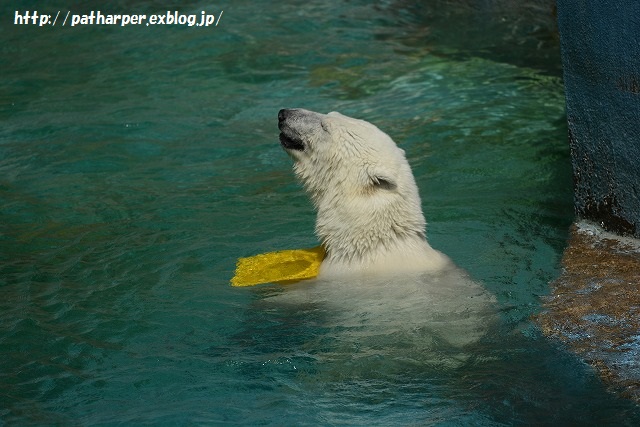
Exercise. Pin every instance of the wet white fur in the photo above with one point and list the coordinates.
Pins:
(369, 217)
(381, 284)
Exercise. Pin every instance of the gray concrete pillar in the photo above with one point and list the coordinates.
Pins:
(600, 43)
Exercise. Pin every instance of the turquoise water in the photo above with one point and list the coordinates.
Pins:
(138, 163)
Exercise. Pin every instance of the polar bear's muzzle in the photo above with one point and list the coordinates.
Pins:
(289, 122)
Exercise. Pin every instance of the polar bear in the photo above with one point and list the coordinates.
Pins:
(369, 214)
(380, 280)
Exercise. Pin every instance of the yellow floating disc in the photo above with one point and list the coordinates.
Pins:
(278, 267)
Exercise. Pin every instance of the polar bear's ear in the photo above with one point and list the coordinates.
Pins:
(383, 182)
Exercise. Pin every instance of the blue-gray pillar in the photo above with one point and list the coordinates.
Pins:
(600, 43)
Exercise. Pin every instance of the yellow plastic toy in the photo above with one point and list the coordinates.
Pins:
(278, 267)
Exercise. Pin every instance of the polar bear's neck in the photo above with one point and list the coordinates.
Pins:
(405, 255)
(361, 237)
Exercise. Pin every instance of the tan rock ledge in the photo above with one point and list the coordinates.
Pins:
(594, 306)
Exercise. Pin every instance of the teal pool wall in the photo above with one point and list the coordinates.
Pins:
(600, 44)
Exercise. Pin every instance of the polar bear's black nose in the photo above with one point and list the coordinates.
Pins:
(289, 135)
(282, 116)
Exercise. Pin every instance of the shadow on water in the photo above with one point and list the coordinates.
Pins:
(522, 33)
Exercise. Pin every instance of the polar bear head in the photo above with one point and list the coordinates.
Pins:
(360, 183)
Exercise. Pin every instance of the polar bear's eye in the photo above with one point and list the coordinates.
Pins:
(324, 125)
